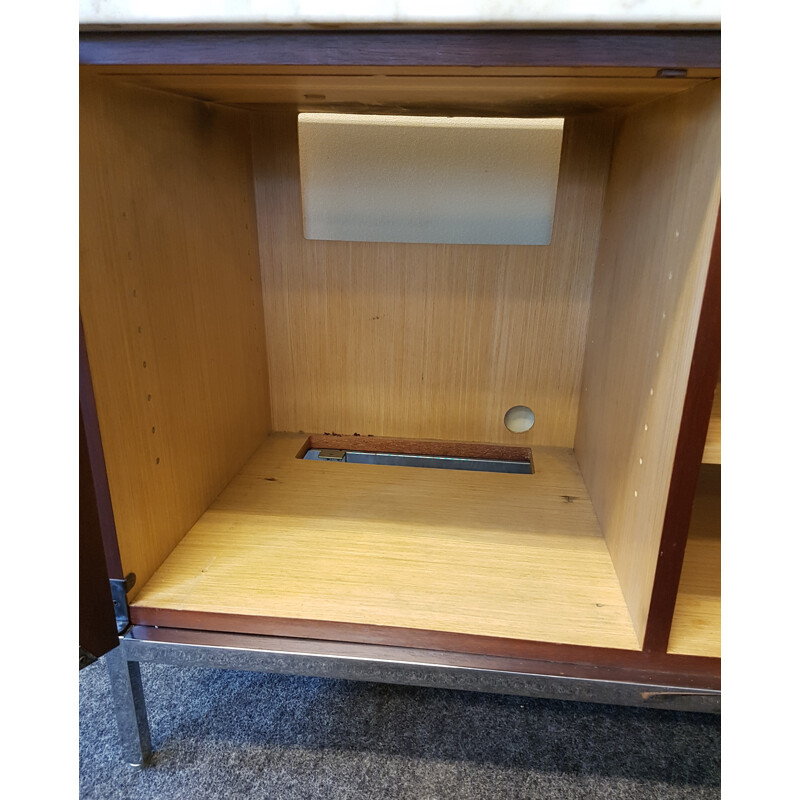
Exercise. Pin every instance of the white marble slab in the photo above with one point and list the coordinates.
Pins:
(299, 13)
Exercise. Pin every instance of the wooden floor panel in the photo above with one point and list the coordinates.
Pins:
(517, 556)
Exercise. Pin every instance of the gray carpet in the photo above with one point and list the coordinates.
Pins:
(222, 734)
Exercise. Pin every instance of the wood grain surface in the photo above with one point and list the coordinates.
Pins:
(170, 302)
(478, 89)
(427, 340)
(551, 48)
(658, 227)
(699, 399)
(517, 556)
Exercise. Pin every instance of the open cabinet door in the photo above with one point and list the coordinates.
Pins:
(96, 619)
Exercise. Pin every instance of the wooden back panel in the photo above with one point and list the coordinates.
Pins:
(661, 208)
(170, 299)
(427, 340)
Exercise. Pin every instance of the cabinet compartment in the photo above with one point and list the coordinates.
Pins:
(697, 618)
(216, 332)
(515, 556)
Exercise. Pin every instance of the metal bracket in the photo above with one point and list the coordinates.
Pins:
(119, 591)
(332, 455)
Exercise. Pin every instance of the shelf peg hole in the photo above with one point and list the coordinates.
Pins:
(519, 419)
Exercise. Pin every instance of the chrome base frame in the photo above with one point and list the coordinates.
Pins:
(374, 663)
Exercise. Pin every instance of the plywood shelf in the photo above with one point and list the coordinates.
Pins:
(696, 621)
(518, 556)
(712, 453)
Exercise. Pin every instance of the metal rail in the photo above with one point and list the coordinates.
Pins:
(374, 663)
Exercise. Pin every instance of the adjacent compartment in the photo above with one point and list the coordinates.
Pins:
(696, 623)
(214, 327)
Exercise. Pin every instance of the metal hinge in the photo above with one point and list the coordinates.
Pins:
(119, 591)
(85, 657)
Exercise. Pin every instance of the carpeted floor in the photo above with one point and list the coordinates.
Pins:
(222, 734)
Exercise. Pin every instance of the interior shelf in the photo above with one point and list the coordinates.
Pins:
(510, 555)
(712, 451)
(696, 621)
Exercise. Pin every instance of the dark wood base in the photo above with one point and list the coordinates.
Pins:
(650, 667)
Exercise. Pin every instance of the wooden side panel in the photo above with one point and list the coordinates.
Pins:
(658, 227)
(170, 300)
(686, 467)
(427, 340)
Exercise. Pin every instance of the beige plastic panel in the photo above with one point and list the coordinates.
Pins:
(439, 180)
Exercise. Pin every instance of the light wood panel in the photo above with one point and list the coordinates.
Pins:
(661, 208)
(518, 556)
(427, 341)
(170, 300)
(712, 452)
(408, 90)
(696, 623)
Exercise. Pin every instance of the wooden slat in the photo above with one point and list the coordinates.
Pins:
(427, 341)
(372, 70)
(519, 556)
(414, 92)
(712, 453)
(426, 447)
(474, 652)
(660, 214)
(544, 48)
(696, 625)
(170, 302)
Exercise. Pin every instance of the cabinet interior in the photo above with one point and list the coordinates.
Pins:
(219, 338)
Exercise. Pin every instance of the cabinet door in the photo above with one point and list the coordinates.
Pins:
(97, 627)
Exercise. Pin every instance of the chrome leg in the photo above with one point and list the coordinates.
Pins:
(126, 690)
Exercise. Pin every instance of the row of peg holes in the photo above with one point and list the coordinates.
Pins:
(144, 366)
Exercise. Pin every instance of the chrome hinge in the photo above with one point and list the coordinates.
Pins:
(119, 591)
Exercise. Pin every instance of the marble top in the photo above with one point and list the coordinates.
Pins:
(401, 13)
